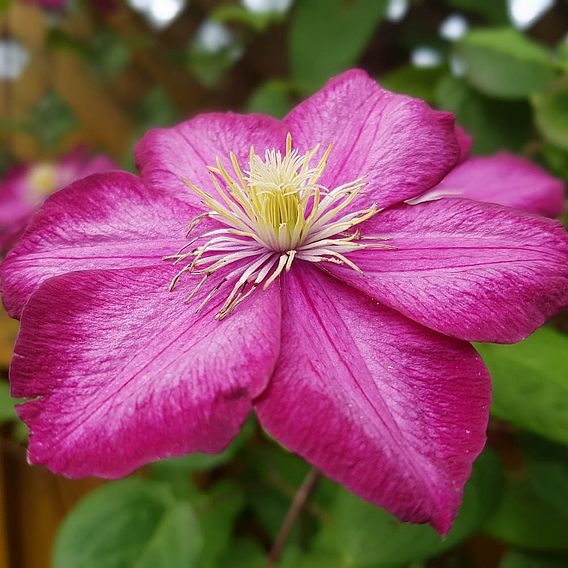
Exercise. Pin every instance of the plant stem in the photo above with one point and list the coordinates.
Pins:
(300, 499)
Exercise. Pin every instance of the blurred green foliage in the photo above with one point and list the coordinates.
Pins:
(49, 120)
(337, 525)
(504, 63)
(530, 385)
(133, 522)
(351, 534)
(327, 36)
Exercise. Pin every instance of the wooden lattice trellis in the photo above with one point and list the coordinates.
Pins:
(103, 110)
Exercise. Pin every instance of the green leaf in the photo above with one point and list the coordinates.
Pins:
(525, 520)
(530, 383)
(235, 14)
(210, 60)
(270, 508)
(176, 541)
(494, 11)
(210, 67)
(244, 553)
(504, 63)
(273, 98)
(527, 516)
(364, 535)
(109, 54)
(293, 557)
(328, 36)
(493, 124)
(133, 523)
(60, 40)
(274, 468)
(217, 512)
(414, 81)
(551, 115)
(556, 160)
(155, 109)
(546, 470)
(52, 119)
(562, 52)
(7, 410)
(518, 559)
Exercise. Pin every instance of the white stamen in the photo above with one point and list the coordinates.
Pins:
(274, 212)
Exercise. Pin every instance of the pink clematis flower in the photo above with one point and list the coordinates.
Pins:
(25, 187)
(306, 289)
(505, 179)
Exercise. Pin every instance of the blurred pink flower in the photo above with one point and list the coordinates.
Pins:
(49, 4)
(308, 290)
(505, 179)
(24, 188)
(103, 6)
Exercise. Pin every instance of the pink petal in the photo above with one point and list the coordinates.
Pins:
(400, 144)
(104, 221)
(167, 156)
(14, 203)
(465, 142)
(78, 164)
(98, 163)
(505, 179)
(18, 200)
(122, 372)
(475, 271)
(394, 411)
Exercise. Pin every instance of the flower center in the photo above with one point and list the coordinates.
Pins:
(42, 180)
(272, 213)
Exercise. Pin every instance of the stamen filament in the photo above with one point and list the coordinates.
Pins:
(273, 213)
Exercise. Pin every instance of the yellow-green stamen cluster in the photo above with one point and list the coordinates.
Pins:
(273, 213)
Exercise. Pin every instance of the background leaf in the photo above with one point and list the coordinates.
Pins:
(530, 382)
(494, 11)
(217, 512)
(414, 81)
(546, 470)
(551, 115)
(494, 124)
(134, 523)
(244, 553)
(327, 37)
(504, 63)
(7, 410)
(517, 559)
(533, 512)
(273, 98)
(361, 534)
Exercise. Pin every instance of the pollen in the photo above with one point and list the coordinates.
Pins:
(42, 180)
(272, 213)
